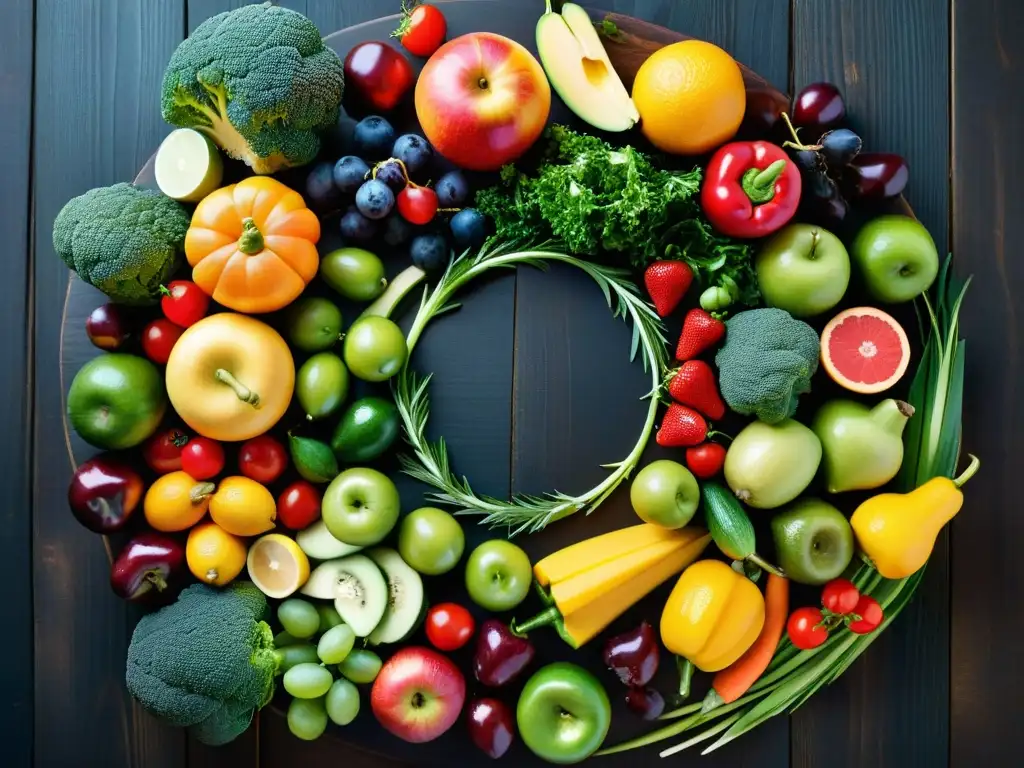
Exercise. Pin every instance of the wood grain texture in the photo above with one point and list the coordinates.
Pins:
(16, 42)
(987, 227)
(891, 60)
(98, 70)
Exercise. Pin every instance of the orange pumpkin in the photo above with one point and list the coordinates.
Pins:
(252, 245)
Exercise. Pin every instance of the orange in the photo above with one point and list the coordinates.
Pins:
(213, 555)
(690, 96)
(243, 507)
(176, 502)
(277, 566)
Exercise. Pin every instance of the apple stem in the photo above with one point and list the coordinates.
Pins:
(200, 492)
(685, 667)
(245, 394)
(968, 473)
(250, 242)
(759, 185)
(765, 565)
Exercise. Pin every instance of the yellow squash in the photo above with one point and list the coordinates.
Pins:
(897, 531)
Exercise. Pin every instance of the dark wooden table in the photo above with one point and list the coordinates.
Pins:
(938, 81)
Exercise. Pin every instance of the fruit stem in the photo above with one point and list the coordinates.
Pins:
(250, 242)
(765, 565)
(968, 473)
(759, 185)
(547, 6)
(715, 433)
(796, 143)
(685, 667)
(245, 394)
(200, 492)
(157, 580)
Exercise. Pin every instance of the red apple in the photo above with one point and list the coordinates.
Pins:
(482, 100)
(418, 694)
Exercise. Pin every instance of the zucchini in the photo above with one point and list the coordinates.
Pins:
(406, 602)
(730, 526)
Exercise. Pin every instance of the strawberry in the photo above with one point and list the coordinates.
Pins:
(667, 282)
(694, 385)
(681, 427)
(705, 460)
(700, 331)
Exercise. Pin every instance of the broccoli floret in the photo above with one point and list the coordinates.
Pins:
(124, 240)
(206, 662)
(257, 80)
(766, 363)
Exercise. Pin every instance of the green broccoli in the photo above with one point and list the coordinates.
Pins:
(257, 80)
(206, 661)
(124, 240)
(766, 363)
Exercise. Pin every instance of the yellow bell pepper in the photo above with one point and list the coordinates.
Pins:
(713, 615)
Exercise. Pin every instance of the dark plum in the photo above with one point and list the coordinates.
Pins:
(397, 231)
(103, 494)
(356, 227)
(429, 252)
(107, 327)
(321, 194)
(819, 107)
(469, 229)
(349, 174)
(491, 726)
(452, 189)
(391, 174)
(764, 109)
(646, 702)
(413, 150)
(634, 655)
(500, 655)
(840, 146)
(876, 176)
(373, 137)
(375, 200)
(149, 562)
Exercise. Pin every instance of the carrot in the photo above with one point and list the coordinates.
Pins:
(736, 679)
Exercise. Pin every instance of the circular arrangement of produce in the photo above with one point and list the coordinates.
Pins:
(251, 430)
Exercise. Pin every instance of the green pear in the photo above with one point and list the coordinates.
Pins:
(862, 447)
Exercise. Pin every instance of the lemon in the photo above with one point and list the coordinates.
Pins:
(243, 507)
(175, 502)
(213, 555)
(277, 566)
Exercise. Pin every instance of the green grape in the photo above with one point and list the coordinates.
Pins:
(298, 618)
(342, 702)
(329, 616)
(307, 718)
(292, 655)
(281, 639)
(335, 644)
(360, 666)
(307, 680)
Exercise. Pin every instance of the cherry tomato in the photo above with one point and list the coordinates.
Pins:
(263, 459)
(418, 205)
(870, 613)
(449, 626)
(840, 596)
(705, 460)
(184, 303)
(422, 29)
(162, 451)
(159, 338)
(298, 506)
(805, 630)
(202, 458)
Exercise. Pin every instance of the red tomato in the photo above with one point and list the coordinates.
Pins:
(840, 596)
(417, 205)
(162, 451)
(159, 338)
(184, 303)
(870, 613)
(298, 506)
(705, 460)
(263, 459)
(202, 458)
(449, 626)
(805, 630)
(422, 30)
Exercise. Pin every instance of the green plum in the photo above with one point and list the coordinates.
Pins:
(431, 541)
(313, 324)
(563, 713)
(321, 385)
(355, 273)
(498, 575)
(375, 349)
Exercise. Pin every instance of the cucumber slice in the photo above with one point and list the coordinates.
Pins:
(357, 587)
(188, 166)
(317, 542)
(406, 603)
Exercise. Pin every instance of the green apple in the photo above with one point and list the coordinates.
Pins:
(665, 493)
(896, 258)
(375, 349)
(360, 506)
(803, 269)
(563, 713)
(431, 541)
(498, 575)
(116, 401)
(813, 541)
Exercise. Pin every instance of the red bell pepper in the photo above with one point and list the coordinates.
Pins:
(751, 189)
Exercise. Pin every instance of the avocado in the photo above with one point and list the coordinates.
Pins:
(366, 430)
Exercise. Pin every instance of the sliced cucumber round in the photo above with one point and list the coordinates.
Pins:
(188, 166)
(357, 587)
(406, 602)
(317, 542)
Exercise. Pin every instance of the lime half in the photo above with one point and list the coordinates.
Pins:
(188, 166)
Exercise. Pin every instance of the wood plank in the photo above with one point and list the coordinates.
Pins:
(98, 69)
(16, 41)
(892, 707)
(988, 222)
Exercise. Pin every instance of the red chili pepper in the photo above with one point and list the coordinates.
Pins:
(752, 189)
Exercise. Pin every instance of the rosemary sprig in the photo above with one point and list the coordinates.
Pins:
(429, 462)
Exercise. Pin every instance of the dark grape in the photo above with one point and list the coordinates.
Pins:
(469, 228)
(452, 189)
(350, 173)
(429, 252)
(391, 174)
(414, 151)
(822, 198)
(357, 228)
(397, 231)
(646, 702)
(808, 160)
(840, 146)
(875, 176)
(375, 200)
(321, 193)
(373, 137)
(819, 107)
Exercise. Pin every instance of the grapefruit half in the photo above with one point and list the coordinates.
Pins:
(865, 350)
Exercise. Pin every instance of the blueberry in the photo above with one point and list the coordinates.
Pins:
(397, 231)
(350, 173)
(391, 174)
(429, 252)
(320, 190)
(452, 189)
(357, 228)
(375, 199)
(373, 137)
(469, 228)
(414, 151)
